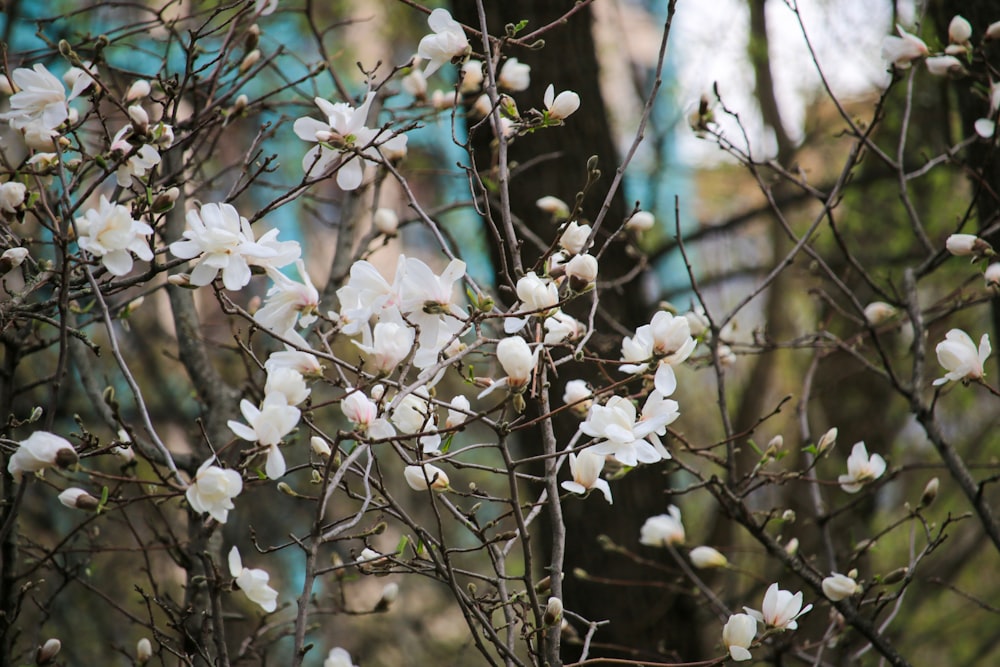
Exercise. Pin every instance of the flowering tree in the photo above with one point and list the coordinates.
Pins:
(235, 458)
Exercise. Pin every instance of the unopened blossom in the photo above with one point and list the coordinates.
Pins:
(967, 244)
(138, 163)
(738, 634)
(879, 312)
(992, 275)
(838, 587)
(514, 76)
(224, 241)
(663, 529)
(338, 657)
(861, 469)
(697, 322)
(727, 358)
(391, 343)
(986, 127)
(415, 84)
(780, 609)
(386, 221)
(579, 395)
(621, 435)
(360, 410)
(826, 441)
(143, 650)
(139, 89)
(537, 293)
(267, 425)
(557, 208)
(344, 138)
(320, 447)
(11, 259)
(944, 65)
(448, 41)
(574, 237)
(561, 327)
(212, 490)
(958, 354)
(903, 50)
(562, 105)
(458, 412)
(517, 360)
(306, 364)
(553, 612)
(640, 221)
(289, 383)
(581, 271)
(288, 303)
(253, 582)
(959, 30)
(706, 557)
(426, 476)
(586, 469)
(472, 76)
(39, 451)
(75, 498)
(993, 31)
(47, 652)
(110, 232)
(12, 196)
(414, 413)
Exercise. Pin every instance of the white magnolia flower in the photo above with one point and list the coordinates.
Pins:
(967, 244)
(39, 451)
(903, 50)
(268, 425)
(562, 105)
(253, 582)
(861, 469)
(414, 413)
(472, 76)
(944, 65)
(666, 338)
(992, 275)
(706, 557)
(212, 490)
(11, 259)
(224, 240)
(78, 499)
(289, 383)
(427, 299)
(839, 587)
(41, 98)
(879, 312)
(344, 137)
(306, 364)
(738, 634)
(415, 84)
(12, 196)
(581, 271)
(448, 41)
(663, 529)
(641, 221)
(362, 412)
(391, 343)
(514, 76)
(574, 237)
(425, 476)
(586, 469)
(139, 89)
(110, 232)
(143, 650)
(138, 164)
(958, 354)
(386, 221)
(557, 208)
(517, 360)
(986, 127)
(561, 327)
(621, 436)
(780, 609)
(959, 30)
(535, 294)
(458, 412)
(338, 657)
(288, 303)
(579, 395)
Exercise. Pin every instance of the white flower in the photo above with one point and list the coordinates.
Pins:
(992, 275)
(707, 557)
(448, 41)
(620, 435)
(879, 312)
(344, 137)
(515, 76)
(78, 499)
(959, 30)
(903, 50)
(386, 221)
(667, 338)
(289, 383)
(697, 322)
(582, 272)
(110, 232)
(457, 412)
(560, 327)
(12, 196)
(338, 657)
(363, 414)
(268, 425)
(663, 529)
(142, 161)
(562, 105)
(944, 65)
(535, 294)
(861, 469)
(579, 394)
(415, 84)
(212, 490)
(839, 587)
(320, 447)
(958, 355)
(738, 634)
(143, 650)
(225, 241)
(641, 221)
(11, 259)
(41, 98)
(427, 298)
(425, 476)
(414, 413)
(288, 303)
(554, 206)
(38, 451)
(586, 469)
(472, 76)
(139, 89)
(517, 360)
(253, 582)
(305, 363)
(967, 244)
(391, 343)
(574, 237)
(780, 609)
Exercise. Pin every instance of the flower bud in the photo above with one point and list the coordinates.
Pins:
(252, 38)
(959, 30)
(774, 446)
(792, 547)
(930, 492)
(164, 201)
(389, 595)
(839, 587)
(557, 208)
(896, 575)
(553, 612)
(574, 238)
(517, 360)
(582, 272)
(139, 118)
(640, 221)
(441, 100)
(240, 103)
(48, 651)
(827, 441)
(968, 244)
(143, 651)
(944, 65)
(320, 447)
(788, 515)
(11, 259)
(386, 221)
(138, 90)
(472, 77)
(707, 557)
(75, 498)
(992, 275)
(181, 280)
(993, 30)
(249, 60)
(878, 312)
(12, 195)
(415, 84)
(426, 476)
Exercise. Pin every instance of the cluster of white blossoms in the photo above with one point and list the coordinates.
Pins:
(40, 106)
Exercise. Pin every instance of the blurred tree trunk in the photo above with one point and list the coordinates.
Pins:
(648, 619)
